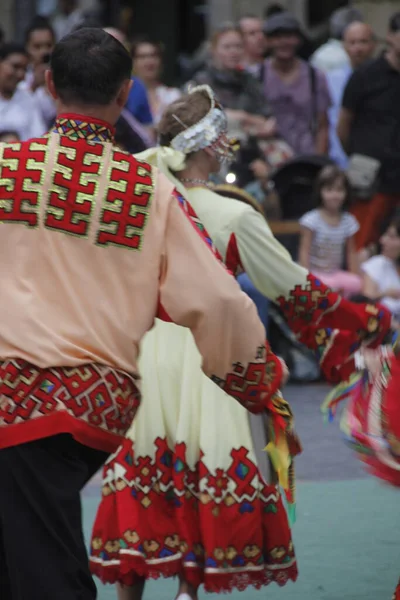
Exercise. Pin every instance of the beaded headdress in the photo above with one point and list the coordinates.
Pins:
(210, 131)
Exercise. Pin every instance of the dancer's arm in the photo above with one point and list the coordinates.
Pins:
(197, 292)
(313, 311)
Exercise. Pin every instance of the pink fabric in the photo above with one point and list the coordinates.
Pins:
(342, 281)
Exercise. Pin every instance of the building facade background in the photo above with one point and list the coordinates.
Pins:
(177, 23)
(313, 14)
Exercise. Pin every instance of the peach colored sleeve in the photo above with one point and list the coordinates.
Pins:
(198, 292)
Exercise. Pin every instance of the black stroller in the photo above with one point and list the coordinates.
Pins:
(294, 183)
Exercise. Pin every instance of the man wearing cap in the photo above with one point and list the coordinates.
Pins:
(297, 93)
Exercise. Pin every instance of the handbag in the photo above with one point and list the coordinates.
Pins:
(363, 174)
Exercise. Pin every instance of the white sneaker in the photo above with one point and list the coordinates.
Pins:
(184, 597)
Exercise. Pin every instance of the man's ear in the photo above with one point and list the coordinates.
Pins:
(123, 93)
(50, 84)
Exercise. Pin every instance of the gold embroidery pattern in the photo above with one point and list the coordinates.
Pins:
(127, 203)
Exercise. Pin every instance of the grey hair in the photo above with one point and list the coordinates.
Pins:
(341, 19)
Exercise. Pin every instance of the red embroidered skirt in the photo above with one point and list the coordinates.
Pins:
(171, 528)
(185, 493)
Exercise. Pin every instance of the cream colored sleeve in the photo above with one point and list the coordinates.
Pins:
(267, 263)
(197, 292)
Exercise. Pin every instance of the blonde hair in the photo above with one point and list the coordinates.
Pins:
(221, 31)
(186, 111)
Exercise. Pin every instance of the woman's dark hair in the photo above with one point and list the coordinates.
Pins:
(10, 48)
(39, 24)
(273, 9)
(89, 66)
(4, 133)
(395, 223)
(327, 177)
(394, 23)
(145, 39)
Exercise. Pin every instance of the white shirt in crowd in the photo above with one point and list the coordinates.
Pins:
(384, 272)
(21, 114)
(63, 24)
(330, 56)
(328, 244)
(42, 98)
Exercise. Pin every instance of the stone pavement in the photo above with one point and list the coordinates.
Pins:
(347, 530)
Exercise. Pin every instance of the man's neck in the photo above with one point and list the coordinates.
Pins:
(284, 66)
(94, 112)
(393, 59)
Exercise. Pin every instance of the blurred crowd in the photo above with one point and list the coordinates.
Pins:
(318, 130)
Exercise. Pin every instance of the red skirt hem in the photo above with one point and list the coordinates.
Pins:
(128, 573)
(225, 529)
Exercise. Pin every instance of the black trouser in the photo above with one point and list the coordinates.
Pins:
(42, 550)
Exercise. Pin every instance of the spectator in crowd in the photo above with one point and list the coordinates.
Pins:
(369, 125)
(297, 93)
(138, 104)
(327, 234)
(381, 281)
(332, 54)
(254, 43)
(237, 90)
(69, 17)
(262, 189)
(360, 44)
(39, 43)
(18, 109)
(147, 65)
(306, 47)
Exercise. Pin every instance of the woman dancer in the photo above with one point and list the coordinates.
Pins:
(189, 493)
(371, 420)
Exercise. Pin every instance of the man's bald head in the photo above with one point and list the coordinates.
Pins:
(117, 34)
(359, 42)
